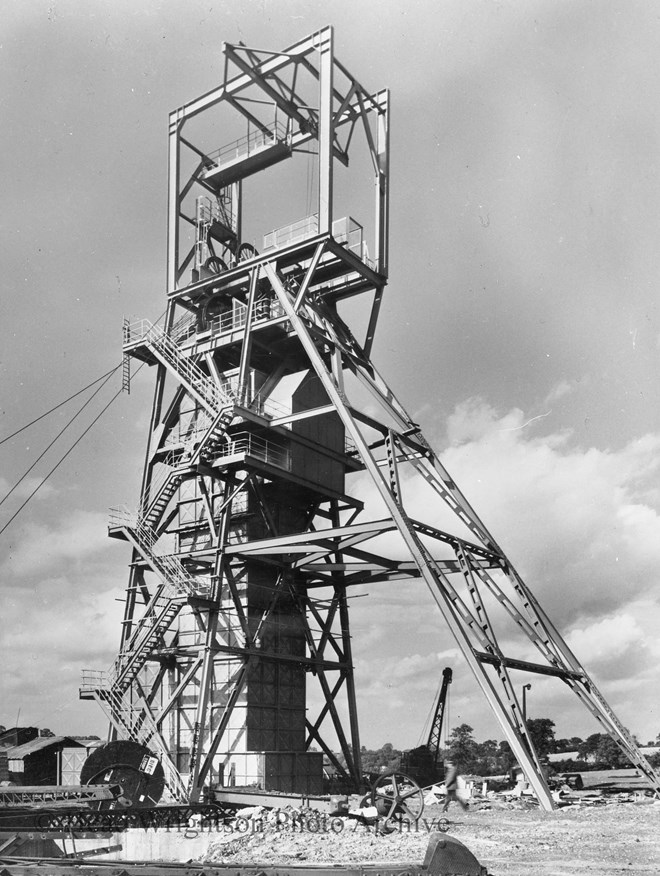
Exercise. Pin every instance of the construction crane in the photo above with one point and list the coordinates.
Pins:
(399, 796)
(435, 733)
(422, 763)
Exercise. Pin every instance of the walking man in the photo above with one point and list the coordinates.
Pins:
(451, 783)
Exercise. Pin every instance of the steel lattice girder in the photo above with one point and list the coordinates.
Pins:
(465, 625)
(336, 545)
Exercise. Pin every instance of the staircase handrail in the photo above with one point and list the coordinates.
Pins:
(146, 332)
(169, 566)
(218, 399)
(145, 731)
(158, 484)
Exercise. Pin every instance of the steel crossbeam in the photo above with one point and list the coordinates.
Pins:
(249, 537)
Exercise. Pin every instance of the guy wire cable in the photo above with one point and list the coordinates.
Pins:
(59, 434)
(61, 460)
(57, 465)
(70, 398)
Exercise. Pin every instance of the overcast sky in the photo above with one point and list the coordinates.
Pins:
(521, 326)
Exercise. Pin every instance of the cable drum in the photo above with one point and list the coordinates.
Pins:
(129, 764)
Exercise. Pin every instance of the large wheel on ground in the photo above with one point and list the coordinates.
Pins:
(130, 765)
(398, 799)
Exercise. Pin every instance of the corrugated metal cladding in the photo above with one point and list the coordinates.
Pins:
(275, 691)
(275, 694)
(295, 772)
(276, 707)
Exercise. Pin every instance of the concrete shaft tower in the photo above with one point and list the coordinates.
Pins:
(269, 426)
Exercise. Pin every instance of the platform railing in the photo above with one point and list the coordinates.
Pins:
(155, 336)
(345, 231)
(93, 679)
(294, 232)
(260, 448)
(234, 320)
(136, 330)
(144, 331)
(168, 566)
(254, 141)
(135, 724)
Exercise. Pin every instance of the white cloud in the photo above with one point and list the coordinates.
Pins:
(563, 388)
(42, 547)
(613, 647)
(23, 491)
(577, 522)
(581, 524)
(52, 629)
(60, 581)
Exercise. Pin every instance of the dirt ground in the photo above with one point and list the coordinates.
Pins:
(605, 839)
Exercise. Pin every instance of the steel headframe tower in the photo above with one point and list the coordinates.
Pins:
(247, 541)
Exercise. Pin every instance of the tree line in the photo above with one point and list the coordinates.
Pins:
(491, 758)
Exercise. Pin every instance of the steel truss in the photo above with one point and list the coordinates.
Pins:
(253, 594)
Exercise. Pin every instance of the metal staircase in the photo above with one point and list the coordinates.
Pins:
(158, 618)
(113, 690)
(142, 729)
(164, 347)
(161, 492)
(175, 587)
(168, 567)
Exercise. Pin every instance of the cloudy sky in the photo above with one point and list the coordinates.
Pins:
(521, 326)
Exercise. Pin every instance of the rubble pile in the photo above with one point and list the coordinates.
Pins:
(586, 816)
(509, 835)
(479, 796)
(293, 834)
(563, 797)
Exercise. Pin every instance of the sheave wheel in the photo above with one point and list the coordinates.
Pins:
(215, 264)
(246, 251)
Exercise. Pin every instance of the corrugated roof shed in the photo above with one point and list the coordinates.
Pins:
(18, 752)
